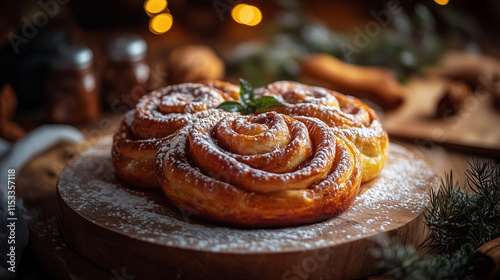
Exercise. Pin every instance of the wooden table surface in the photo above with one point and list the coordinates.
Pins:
(40, 196)
(37, 186)
(99, 217)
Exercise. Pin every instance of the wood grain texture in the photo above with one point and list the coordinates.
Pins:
(36, 185)
(473, 129)
(116, 226)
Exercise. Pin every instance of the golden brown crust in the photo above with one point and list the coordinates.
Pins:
(302, 163)
(347, 115)
(229, 91)
(157, 116)
(209, 182)
(164, 111)
(134, 158)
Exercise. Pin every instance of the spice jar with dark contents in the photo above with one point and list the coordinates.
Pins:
(72, 95)
(126, 73)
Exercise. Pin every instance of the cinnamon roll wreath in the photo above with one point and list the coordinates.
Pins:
(156, 117)
(297, 164)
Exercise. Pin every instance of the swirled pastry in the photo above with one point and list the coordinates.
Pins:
(259, 170)
(157, 116)
(228, 90)
(164, 111)
(134, 158)
(299, 163)
(347, 115)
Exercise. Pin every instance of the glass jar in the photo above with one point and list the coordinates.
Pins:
(126, 73)
(72, 95)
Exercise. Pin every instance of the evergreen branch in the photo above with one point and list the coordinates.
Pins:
(405, 263)
(456, 217)
(459, 223)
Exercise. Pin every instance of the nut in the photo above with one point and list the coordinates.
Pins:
(453, 99)
(193, 63)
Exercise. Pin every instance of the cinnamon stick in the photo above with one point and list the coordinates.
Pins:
(377, 84)
(486, 260)
(9, 130)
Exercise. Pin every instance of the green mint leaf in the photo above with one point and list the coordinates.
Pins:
(246, 93)
(249, 110)
(248, 104)
(265, 103)
(231, 106)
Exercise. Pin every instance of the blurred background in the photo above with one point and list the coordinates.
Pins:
(73, 62)
(261, 41)
(423, 65)
(430, 68)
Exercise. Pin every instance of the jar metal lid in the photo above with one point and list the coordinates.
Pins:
(128, 47)
(72, 57)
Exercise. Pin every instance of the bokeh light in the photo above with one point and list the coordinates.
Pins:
(155, 6)
(235, 13)
(442, 2)
(257, 16)
(160, 23)
(246, 14)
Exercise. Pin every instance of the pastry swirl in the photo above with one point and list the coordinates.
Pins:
(134, 158)
(228, 90)
(157, 116)
(164, 111)
(299, 163)
(347, 115)
(305, 174)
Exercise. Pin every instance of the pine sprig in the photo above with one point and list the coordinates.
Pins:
(248, 104)
(407, 263)
(484, 179)
(459, 223)
(456, 217)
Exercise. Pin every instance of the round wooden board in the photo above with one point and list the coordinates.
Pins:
(138, 233)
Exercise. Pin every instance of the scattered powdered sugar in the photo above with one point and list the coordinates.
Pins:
(89, 186)
(403, 186)
(45, 227)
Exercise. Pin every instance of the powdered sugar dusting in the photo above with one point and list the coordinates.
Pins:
(89, 186)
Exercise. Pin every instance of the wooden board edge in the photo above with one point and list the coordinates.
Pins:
(189, 264)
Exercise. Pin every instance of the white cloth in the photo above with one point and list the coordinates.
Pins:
(15, 156)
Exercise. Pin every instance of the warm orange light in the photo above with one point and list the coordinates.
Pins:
(161, 23)
(257, 16)
(442, 2)
(235, 13)
(246, 14)
(155, 6)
